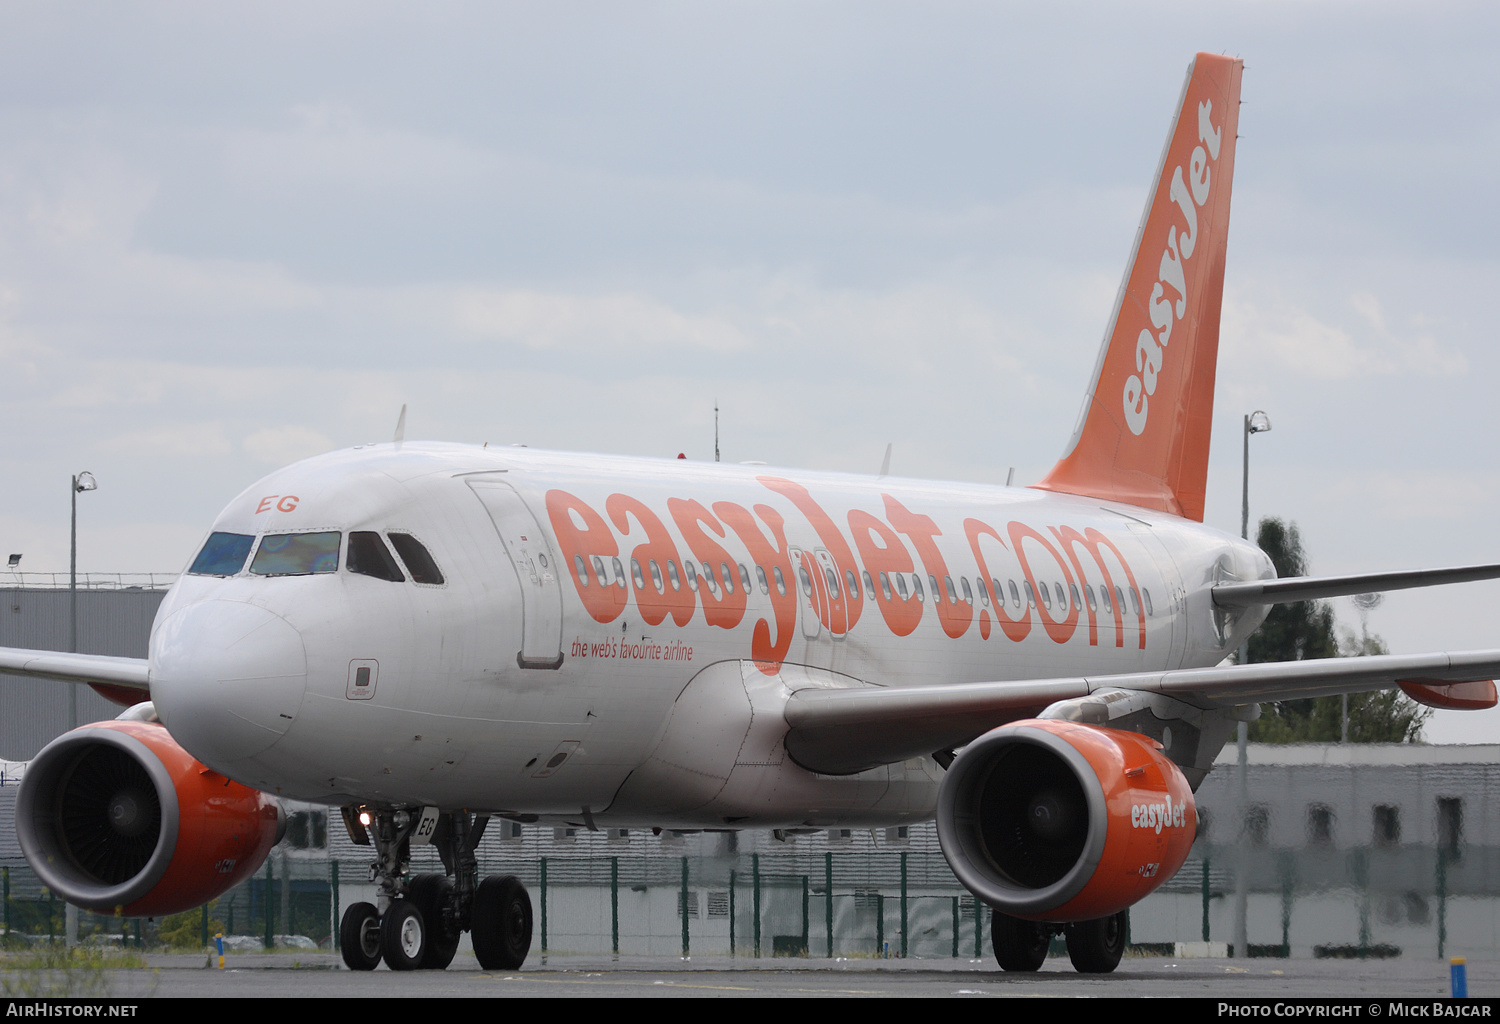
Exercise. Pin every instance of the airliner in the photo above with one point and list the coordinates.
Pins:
(433, 636)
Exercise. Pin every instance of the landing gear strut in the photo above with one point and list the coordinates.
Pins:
(416, 923)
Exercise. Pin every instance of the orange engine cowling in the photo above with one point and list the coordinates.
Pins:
(115, 817)
(1055, 821)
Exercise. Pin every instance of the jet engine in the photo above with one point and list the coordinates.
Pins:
(116, 817)
(1052, 820)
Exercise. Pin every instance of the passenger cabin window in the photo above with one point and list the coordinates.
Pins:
(418, 561)
(296, 554)
(368, 556)
(222, 555)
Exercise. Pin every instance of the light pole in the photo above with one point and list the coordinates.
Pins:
(1255, 423)
(81, 482)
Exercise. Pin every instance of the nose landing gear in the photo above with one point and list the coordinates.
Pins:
(419, 920)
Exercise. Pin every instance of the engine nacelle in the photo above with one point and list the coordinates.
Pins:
(1056, 821)
(116, 817)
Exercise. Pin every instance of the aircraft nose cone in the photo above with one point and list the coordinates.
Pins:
(227, 679)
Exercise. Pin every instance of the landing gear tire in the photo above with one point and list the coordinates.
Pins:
(429, 892)
(502, 923)
(1019, 945)
(403, 936)
(1095, 947)
(359, 937)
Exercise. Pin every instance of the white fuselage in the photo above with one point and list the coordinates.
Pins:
(543, 675)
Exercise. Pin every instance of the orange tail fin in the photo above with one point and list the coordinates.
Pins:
(1143, 435)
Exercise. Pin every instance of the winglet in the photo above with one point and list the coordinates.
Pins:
(400, 426)
(1143, 435)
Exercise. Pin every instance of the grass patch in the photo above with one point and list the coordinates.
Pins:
(54, 970)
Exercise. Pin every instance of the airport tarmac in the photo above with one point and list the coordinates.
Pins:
(322, 975)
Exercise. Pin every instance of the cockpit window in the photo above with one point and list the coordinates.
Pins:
(296, 554)
(418, 562)
(368, 556)
(223, 555)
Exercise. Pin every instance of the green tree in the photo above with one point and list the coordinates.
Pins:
(1296, 632)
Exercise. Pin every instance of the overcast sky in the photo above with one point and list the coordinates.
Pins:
(233, 235)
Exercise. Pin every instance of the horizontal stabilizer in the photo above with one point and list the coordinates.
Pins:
(841, 731)
(1317, 588)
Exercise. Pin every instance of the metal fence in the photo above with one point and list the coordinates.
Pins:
(1359, 902)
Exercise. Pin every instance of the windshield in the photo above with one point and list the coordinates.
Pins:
(223, 555)
(296, 554)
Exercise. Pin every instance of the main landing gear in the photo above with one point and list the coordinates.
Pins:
(1095, 946)
(418, 921)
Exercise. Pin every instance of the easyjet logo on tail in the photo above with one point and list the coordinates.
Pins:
(1165, 310)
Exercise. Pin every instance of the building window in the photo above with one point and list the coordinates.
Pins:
(897, 834)
(510, 831)
(1450, 822)
(307, 830)
(1320, 822)
(718, 903)
(840, 835)
(564, 835)
(1257, 829)
(1387, 825)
